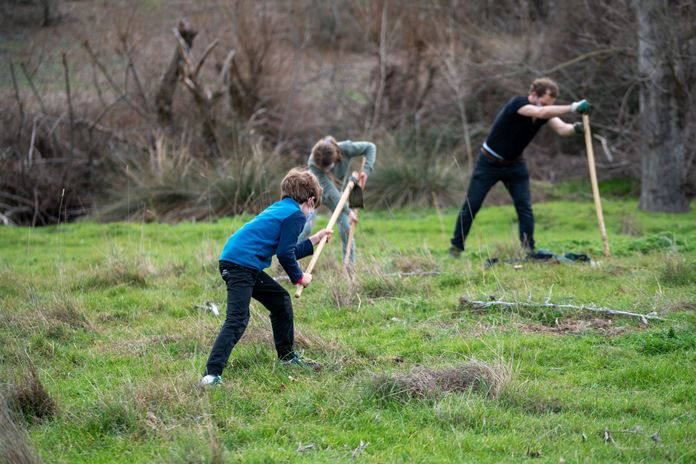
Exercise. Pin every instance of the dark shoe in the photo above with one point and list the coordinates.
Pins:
(296, 360)
(455, 252)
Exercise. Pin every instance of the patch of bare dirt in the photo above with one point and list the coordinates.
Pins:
(570, 326)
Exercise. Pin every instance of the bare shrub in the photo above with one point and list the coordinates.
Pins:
(41, 179)
(416, 179)
(14, 446)
(170, 185)
(427, 383)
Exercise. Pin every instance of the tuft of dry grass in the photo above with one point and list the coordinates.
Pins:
(375, 282)
(678, 271)
(68, 310)
(343, 289)
(31, 399)
(510, 250)
(427, 383)
(159, 405)
(14, 447)
(630, 226)
(417, 263)
(118, 270)
(57, 317)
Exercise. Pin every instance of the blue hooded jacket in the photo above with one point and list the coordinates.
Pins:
(273, 232)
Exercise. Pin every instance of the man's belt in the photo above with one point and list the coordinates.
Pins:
(503, 162)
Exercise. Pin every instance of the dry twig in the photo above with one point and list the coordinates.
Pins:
(463, 301)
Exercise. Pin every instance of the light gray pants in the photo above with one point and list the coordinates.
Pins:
(343, 229)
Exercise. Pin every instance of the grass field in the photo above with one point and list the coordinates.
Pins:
(112, 321)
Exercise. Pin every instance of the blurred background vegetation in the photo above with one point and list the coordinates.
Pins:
(166, 110)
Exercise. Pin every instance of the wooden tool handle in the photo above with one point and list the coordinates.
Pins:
(330, 225)
(595, 184)
(351, 232)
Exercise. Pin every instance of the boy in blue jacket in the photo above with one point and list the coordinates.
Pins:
(248, 252)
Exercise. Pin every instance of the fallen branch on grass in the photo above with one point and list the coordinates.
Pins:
(302, 448)
(463, 301)
(359, 449)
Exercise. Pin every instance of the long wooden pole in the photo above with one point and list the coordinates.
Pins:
(595, 185)
(331, 224)
(351, 232)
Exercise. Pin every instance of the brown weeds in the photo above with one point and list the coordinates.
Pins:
(14, 446)
(31, 399)
(417, 263)
(423, 382)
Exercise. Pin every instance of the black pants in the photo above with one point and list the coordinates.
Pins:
(242, 285)
(487, 172)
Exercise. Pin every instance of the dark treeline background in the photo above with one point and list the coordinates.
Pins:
(170, 110)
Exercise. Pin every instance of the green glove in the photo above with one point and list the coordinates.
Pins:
(579, 128)
(582, 107)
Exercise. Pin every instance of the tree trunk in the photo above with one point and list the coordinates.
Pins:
(662, 157)
(165, 93)
(50, 12)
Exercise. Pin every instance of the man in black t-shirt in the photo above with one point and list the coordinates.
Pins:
(500, 158)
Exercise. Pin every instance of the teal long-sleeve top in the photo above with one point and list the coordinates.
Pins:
(350, 150)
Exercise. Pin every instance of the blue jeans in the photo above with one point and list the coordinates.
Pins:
(486, 174)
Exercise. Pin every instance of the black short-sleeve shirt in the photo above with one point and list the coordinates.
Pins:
(512, 132)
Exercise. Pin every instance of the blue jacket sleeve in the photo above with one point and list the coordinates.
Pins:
(304, 248)
(289, 251)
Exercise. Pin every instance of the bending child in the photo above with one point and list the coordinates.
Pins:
(248, 252)
(330, 162)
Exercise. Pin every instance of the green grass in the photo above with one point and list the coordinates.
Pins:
(111, 318)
